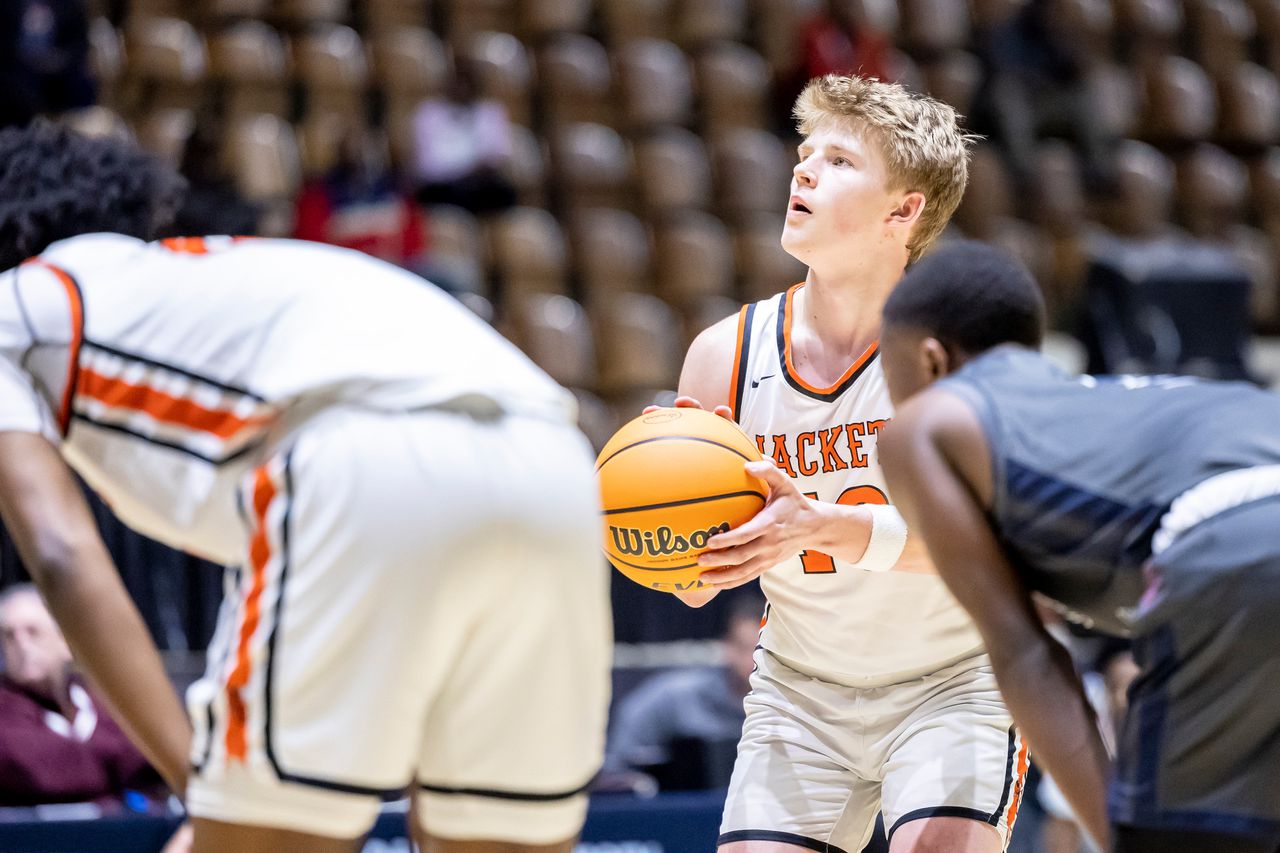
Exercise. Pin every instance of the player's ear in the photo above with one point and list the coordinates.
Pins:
(937, 360)
(908, 209)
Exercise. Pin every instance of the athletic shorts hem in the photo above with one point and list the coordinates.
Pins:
(782, 837)
(282, 806)
(942, 811)
(481, 818)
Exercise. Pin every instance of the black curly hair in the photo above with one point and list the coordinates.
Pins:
(56, 183)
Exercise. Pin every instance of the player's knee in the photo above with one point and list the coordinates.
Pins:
(945, 835)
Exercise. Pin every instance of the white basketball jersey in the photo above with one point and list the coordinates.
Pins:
(825, 617)
(163, 368)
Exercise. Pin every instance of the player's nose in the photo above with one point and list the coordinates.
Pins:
(802, 175)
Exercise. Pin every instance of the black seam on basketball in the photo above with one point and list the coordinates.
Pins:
(732, 450)
(614, 559)
(686, 502)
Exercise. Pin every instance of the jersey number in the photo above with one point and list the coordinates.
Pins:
(818, 563)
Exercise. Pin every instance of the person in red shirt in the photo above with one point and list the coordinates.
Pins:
(57, 742)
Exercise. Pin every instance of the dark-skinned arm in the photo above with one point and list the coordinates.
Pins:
(57, 539)
(936, 461)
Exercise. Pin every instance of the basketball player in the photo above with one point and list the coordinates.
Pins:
(872, 692)
(1144, 506)
(419, 602)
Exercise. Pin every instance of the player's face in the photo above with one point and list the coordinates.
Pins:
(911, 359)
(839, 199)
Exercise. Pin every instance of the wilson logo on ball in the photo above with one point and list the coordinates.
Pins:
(634, 542)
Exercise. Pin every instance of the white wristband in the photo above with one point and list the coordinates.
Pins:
(888, 538)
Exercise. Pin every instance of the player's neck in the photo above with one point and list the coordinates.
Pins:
(842, 309)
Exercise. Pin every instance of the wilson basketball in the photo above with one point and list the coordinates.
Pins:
(669, 481)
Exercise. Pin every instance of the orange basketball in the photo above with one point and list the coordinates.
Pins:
(669, 481)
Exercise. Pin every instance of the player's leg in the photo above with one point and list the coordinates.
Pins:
(516, 730)
(212, 836)
(794, 786)
(954, 767)
(1199, 750)
(310, 710)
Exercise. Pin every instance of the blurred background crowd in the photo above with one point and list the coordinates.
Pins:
(602, 179)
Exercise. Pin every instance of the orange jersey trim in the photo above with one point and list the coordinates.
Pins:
(163, 407)
(1020, 781)
(264, 492)
(76, 304)
(789, 365)
(186, 245)
(735, 378)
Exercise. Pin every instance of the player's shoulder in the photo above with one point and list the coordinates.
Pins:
(718, 340)
(935, 416)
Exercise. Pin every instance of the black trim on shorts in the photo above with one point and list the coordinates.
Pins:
(493, 793)
(159, 442)
(269, 742)
(173, 368)
(781, 837)
(994, 817)
(941, 811)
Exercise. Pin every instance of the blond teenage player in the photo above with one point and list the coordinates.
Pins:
(418, 602)
(872, 692)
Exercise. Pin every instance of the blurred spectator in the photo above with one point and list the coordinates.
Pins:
(462, 144)
(681, 727)
(44, 59)
(212, 204)
(57, 743)
(358, 204)
(1036, 83)
(843, 39)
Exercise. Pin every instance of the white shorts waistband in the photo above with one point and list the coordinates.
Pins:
(1213, 496)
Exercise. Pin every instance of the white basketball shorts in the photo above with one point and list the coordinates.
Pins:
(423, 607)
(818, 760)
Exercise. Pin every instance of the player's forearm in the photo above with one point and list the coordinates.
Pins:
(842, 532)
(1043, 693)
(107, 636)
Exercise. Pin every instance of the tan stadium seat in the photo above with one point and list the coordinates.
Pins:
(98, 121)
(167, 63)
(1116, 95)
(1059, 204)
(1150, 27)
(693, 254)
(299, 14)
(626, 20)
(409, 63)
(1143, 202)
(1221, 31)
(698, 23)
(1087, 22)
(954, 78)
(454, 230)
(528, 252)
(248, 66)
(541, 18)
(1181, 105)
(596, 420)
(764, 267)
(1212, 190)
(260, 151)
(654, 84)
(504, 72)
(674, 172)
(989, 195)
(1249, 107)
(777, 27)
(464, 19)
(592, 165)
(932, 26)
(733, 84)
(106, 58)
(1264, 185)
(165, 132)
(527, 168)
(384, 15)
(215, 13)
(752, 171)
(638, 342)
(575, 80)
(611, 251)
(331, 64)
(555, 332)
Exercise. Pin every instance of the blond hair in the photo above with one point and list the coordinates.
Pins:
(924, 149)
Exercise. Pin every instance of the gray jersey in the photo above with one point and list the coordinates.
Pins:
(1085, 467)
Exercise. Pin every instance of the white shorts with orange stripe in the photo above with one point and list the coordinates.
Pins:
(422, 607)
(817, 760)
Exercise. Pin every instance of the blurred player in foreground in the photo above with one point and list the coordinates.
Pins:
(1146, 506)
(419, 601)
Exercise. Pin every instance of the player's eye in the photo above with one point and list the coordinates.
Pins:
(841, 161)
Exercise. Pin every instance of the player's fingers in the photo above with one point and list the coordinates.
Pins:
(726, 556)
(648, 409)
(724, 412)
(683, 402)
(772, 476)
(735, 576)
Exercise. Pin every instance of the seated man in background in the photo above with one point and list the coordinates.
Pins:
(57, 743)
(675, 724)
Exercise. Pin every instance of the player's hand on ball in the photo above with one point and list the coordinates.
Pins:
(690, 403)
(777, 533)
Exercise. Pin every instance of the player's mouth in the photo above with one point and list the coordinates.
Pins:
(797, 206)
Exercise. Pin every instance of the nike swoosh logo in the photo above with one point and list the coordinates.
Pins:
(755, 383)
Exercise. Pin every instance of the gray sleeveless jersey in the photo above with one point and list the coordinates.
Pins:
(1085, 467)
